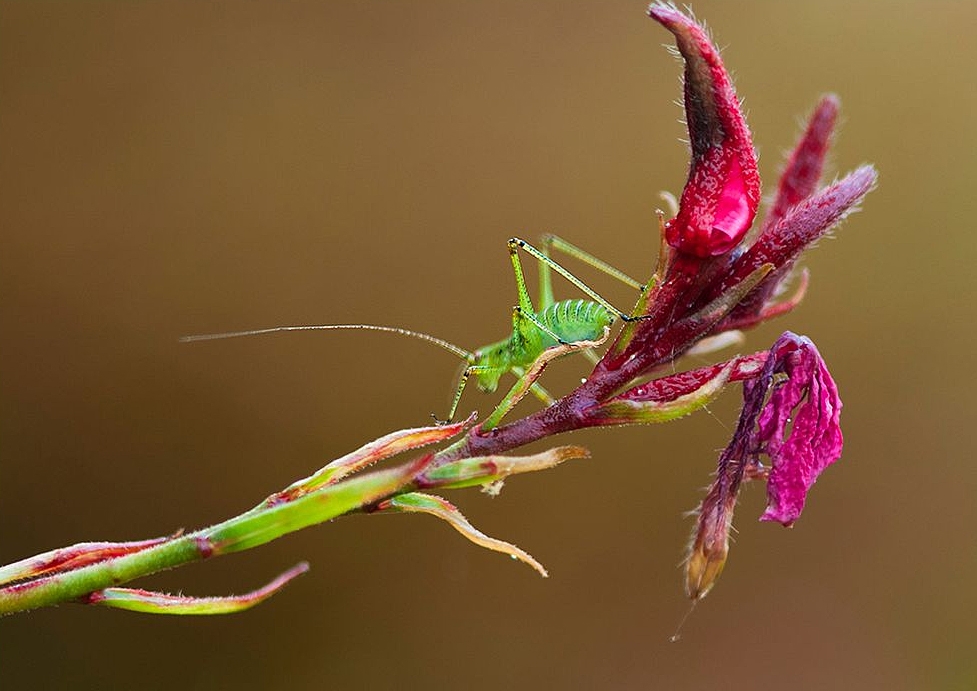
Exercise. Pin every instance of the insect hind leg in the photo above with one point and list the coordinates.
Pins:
(550, 242)
(515, 244)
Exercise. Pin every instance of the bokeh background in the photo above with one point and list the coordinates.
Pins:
(180, 167)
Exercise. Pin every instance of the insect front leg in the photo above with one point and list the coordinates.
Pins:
(460, 389)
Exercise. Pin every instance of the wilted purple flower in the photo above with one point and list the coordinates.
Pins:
(794, 389)
(807, 400)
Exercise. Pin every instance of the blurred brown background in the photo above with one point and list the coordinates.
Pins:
(180, 167)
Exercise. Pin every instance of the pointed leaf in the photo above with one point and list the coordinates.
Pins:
(417, 502)
(380, 449)
(689, 330)
(137, 600)
(265, 524)
(483, 470)
(74, 557)
(757, 308)
(629, 408)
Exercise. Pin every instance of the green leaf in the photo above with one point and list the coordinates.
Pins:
(483, 470)
(262, 525)
(137, 600)
(368, 454)
(418, 502)
(74, 557)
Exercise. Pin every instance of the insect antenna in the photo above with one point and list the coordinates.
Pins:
(441, 343)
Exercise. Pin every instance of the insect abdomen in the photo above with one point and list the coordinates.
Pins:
(575, 320)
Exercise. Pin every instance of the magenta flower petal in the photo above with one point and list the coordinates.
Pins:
(809, 398)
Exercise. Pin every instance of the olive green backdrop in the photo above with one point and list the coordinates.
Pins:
(177, 168)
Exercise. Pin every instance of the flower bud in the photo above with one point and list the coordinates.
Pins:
(710, 544)
(721, 196)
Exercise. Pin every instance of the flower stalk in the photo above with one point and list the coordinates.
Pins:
(716, 273)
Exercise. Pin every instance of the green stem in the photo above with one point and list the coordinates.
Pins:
(249, 529)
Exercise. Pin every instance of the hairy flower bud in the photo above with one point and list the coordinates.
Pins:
(710, 543)
(721, 196)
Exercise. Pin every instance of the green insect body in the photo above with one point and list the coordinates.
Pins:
(566, 321)
(556, 324)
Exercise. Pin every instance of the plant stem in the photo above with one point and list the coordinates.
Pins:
(244, 531)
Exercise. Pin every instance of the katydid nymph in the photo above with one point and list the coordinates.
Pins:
(558, 326)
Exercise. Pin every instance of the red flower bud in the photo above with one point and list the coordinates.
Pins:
(721, 196)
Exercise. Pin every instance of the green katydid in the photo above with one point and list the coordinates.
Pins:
(556, 325)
